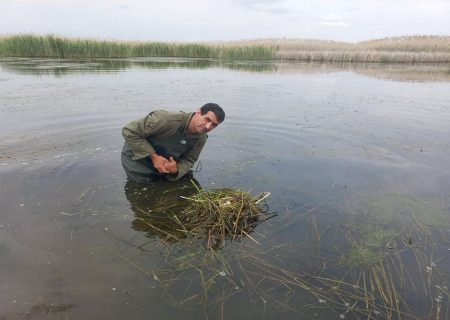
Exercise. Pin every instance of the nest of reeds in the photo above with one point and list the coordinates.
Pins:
(222, 214)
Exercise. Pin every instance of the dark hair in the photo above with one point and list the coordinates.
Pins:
(215, 108)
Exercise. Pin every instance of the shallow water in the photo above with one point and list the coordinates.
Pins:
(355, 157)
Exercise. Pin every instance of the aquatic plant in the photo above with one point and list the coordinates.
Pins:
(407, 49)
(378, 237)
(355, 268)
(221, 214)
(362, 257)
(414, 49)
(400, 208)
(184, 212)
(50, 46)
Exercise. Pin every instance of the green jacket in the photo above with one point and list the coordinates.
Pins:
(166, 130)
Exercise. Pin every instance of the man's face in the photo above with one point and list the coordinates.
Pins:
(203, 123)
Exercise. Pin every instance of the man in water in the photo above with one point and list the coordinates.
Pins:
(167, 143)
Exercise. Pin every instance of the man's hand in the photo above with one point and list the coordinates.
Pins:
(163, 165)
(160, 163)
(171, 166)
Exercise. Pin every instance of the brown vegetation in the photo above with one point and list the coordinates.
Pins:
(414, 49)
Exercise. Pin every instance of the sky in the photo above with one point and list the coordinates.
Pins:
(224, 20)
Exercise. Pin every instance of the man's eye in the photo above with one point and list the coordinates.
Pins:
(208, 120)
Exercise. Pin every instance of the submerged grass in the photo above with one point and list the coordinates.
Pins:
(213, 217)
(361, 256)
(358, 268)
(413, 49)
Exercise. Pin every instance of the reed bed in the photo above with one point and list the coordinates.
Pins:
(418, 49)
(372, 56)
(414, 49)
(50, 46)
(409, 44)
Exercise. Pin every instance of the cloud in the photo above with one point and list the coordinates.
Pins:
(352, 9)
(123, 6)
(267, 6)
(333, 20)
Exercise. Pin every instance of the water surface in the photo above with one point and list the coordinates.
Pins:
(355, 157)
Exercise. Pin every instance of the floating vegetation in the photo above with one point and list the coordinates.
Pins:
(361, 257)
(190, 214)
(353, 267)
(221, 214)
(378, 237)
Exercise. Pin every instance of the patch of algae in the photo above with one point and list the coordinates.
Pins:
(399, 208)
(362, 257)
(378, 237)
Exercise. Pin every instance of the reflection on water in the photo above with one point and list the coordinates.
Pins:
(182, 212)
(397, 72)
(357, 168)
(67, 67)
(154, 204)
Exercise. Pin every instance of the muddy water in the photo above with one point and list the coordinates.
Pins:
(346, 151)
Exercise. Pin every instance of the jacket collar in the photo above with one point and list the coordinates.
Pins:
(185, 119)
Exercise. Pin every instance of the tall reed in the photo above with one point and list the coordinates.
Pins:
(50, 46)
(415, 49)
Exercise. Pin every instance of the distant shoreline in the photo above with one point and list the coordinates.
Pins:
(413, 49)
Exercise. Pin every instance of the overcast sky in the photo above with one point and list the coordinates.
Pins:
(204, 20)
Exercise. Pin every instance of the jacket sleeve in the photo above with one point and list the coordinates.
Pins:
(136, 131)
(187, 160)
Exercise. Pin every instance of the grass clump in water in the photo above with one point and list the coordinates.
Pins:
(221, 214)
(378, 237)
(363, 257)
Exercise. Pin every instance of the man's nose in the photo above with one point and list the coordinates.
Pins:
(208, 125)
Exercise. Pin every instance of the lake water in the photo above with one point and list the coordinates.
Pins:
(356, 158)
